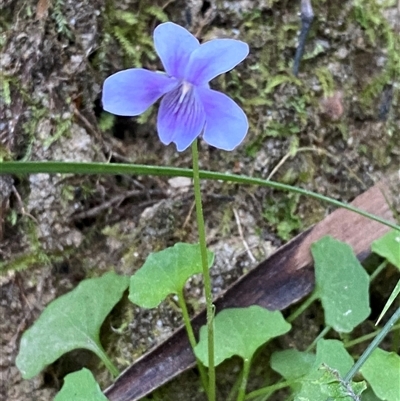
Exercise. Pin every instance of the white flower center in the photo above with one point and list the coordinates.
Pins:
(185, 88)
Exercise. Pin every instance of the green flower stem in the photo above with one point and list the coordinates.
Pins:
(269, 389)
(323, 333)
(302, 307)
(131, 169)
(206, 272)
(192, 338)
(371, 347)
(368, 336)
(245, 376)
(106, 360)
(378, 270)
(235, 388)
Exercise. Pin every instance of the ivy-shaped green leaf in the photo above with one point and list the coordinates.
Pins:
(291, 363)
(69, 322)
(164, 273)
(240, 331)
(382, 372)
(336, 389)
(324, 379)
(369, 395)
(80, 386)
(342, 284)
(388, 247)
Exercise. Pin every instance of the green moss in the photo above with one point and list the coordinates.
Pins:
(131, 29)
(280, 212)
(379, 34)
(226, 222)
(35, 257)
(5, 90)
(62, 126)
(326, 80)
(37, 113)
(57, 14)
(106, 121)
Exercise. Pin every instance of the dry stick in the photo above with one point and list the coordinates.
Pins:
(312, 149)
(117, 199)
(307, 16)
(189, 215)
(239, 225)
(371, 347)
(21, 205)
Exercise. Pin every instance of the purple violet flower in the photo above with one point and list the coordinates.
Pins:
(189, 107)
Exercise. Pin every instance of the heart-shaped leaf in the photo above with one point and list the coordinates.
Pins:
(382, 371)
(324, 379)
(71, 321)
(333, 354)
(164, 273)
(80, 386)
(341, 283)
(291, 363)
(388, 247)
(369, 395)
(240, 331)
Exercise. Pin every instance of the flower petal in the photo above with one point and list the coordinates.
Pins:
(181, 117)
(214, 58)
(174, 46)
(226, 123)
(131, 92)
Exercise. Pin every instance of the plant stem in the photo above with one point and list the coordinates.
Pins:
(206, 273)
(234, 390)
(245, 376)
(371, 347)
(368, 336)
(320, 335)
(269, 389)
(378, 270)
(192, 339)
(302, 307)
(106, 360)
(124, 168)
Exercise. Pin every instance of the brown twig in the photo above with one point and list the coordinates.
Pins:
(113, 201)
(246, 245)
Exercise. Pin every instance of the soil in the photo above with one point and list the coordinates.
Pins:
(334, 129)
